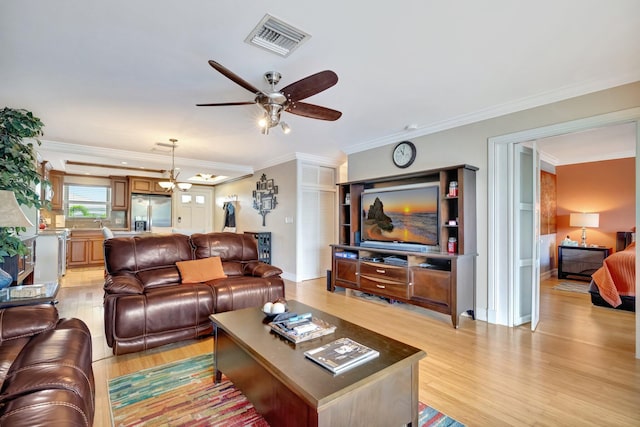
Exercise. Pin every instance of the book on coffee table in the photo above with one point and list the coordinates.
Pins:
(302, 330)
(341, 355)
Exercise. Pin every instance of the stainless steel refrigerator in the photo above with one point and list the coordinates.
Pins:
(149, 211)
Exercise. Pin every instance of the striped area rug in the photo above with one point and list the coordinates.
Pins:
(183, 394)
(582, 288)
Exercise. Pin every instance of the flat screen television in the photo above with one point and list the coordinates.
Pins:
(401, 217)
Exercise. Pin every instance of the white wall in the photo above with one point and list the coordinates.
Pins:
(283, 235)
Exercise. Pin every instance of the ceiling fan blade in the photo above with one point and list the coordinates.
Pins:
(313, 111)
(219, 104)
(233, 76)
(310, 85)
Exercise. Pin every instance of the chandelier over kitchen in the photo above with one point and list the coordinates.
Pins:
(173, 184)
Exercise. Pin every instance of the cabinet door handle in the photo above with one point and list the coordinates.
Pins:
(381, 286)
(381, 271)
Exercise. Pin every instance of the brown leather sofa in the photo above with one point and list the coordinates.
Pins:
(146, 304)
(45, 369)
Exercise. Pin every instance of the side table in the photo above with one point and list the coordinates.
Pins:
(581, 261)
(43, 293)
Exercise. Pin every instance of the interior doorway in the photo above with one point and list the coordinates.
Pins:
(500, 253)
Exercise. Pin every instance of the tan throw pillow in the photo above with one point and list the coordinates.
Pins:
(201, 270)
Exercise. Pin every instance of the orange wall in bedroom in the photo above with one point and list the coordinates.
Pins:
(606, 187)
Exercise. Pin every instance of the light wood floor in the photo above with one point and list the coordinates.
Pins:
(578, 368)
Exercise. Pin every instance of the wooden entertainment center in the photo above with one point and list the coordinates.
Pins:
(435, 279)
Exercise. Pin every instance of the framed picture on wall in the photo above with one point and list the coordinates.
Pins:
(267, 203)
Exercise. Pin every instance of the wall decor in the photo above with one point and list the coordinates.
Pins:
(264, 196)
(548, 203)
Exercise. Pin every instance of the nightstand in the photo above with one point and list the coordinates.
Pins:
(580, 261)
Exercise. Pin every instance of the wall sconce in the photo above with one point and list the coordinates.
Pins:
(584, 220)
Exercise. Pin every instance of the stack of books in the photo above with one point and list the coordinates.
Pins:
(341, 355)
(301, 327)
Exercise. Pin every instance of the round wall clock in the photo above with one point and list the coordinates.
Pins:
(404, 154)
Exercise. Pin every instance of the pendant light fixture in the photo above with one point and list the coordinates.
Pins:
(172, 184)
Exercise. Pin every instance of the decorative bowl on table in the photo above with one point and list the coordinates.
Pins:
(272, 309)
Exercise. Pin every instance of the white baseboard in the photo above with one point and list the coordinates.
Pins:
(549, 274)
(289, 276)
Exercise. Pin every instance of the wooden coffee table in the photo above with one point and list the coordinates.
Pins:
(291, 390)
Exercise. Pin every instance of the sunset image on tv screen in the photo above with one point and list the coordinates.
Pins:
(404, 215)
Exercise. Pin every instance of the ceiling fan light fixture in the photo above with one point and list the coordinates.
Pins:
(285, 128)
(274, 102)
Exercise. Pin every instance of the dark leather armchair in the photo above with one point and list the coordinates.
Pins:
(45, 369)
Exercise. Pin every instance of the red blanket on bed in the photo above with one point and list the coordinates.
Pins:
(617, 276)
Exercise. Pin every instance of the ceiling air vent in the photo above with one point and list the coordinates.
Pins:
(276, 36)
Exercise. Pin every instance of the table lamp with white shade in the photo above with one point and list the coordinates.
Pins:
(10, 216)
(584, 220)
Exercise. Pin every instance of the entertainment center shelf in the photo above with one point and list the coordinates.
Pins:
(432, 276)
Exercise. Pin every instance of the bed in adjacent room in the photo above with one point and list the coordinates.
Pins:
(614, 284)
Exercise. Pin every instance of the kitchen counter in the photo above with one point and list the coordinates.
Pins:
(97, 231)
(53, 231)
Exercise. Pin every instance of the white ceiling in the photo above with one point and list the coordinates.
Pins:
(605, 143)
(110, 79)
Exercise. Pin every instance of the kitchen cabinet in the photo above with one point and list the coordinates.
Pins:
(95, 251)
(77, 252)
(86, 248)
(119, 194)
(143, 185)
(56, 179)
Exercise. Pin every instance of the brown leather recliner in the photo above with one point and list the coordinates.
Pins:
(45, 369)
(146, 304)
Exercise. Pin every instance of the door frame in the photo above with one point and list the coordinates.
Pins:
(500, 218)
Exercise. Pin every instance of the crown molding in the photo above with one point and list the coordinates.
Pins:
(561, 94)
(311, 158)
(92, 153)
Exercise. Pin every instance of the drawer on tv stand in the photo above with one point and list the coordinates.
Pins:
(385, 272)
(384, 287)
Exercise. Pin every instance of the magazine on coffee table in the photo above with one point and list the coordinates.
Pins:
(341, 354)
(303, 329)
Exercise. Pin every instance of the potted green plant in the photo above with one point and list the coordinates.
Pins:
(19, 130)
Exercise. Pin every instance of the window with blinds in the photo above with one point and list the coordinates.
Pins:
(87, 201)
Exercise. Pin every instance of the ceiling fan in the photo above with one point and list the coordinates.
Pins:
(287, 99)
